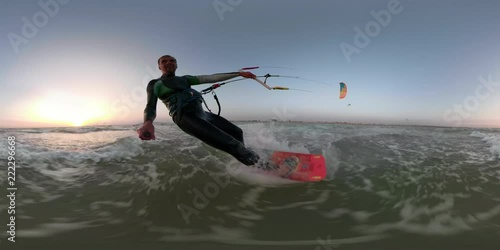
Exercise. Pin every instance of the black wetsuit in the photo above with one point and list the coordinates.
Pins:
(184, 105)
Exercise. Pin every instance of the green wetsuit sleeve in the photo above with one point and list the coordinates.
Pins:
(213, 78)
(150, 110)
(192, 80)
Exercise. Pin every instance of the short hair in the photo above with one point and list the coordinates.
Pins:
(163, 57)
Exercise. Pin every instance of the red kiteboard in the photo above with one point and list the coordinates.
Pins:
(298, 166)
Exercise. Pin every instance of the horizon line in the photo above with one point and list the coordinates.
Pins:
(267, 120)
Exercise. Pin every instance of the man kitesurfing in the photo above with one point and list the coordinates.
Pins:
(184, 105)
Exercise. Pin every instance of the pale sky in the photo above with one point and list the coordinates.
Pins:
(66, 63)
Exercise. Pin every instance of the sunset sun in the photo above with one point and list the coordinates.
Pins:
(62, 109)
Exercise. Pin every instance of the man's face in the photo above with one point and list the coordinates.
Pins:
(167, 65)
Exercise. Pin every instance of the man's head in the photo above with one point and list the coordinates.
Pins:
(167, 64)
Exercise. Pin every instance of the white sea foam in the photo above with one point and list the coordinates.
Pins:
(144, 177)
(50, 229)
(125, 148)
(254, 176)
(493, 139)
(239, 236)
(251, 197)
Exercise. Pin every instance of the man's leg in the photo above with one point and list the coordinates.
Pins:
(200, 128)
(226, 126)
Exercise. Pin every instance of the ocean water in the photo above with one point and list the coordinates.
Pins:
(387, 187)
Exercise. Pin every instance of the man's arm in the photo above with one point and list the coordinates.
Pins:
(150, 110)
(213, 78)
